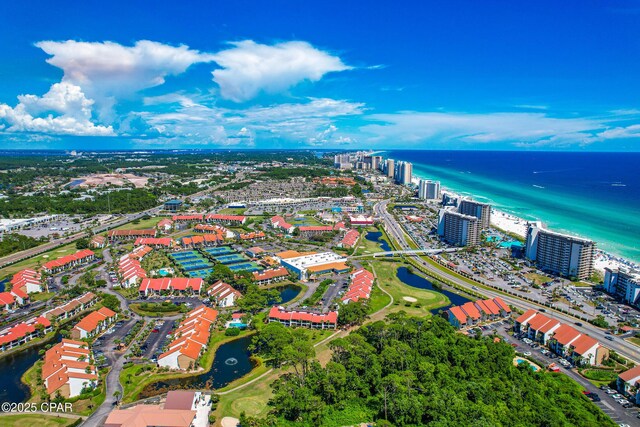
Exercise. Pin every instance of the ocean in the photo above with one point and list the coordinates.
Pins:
(593, 195)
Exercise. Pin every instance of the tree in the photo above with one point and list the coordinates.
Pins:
(353, 313)
(82, 243)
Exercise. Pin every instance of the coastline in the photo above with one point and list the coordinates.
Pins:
(517, 225)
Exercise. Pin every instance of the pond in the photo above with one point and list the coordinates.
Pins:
(232, 361)
(408, 278)
(288, 293)
(376, 236)
(13, 367)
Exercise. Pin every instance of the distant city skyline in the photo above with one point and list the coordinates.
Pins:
(458, 75)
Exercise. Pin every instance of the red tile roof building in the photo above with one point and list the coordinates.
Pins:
(23, 332)
(93, 323)
(203, 240)
(69, 261)
(187, 218)
(67, 369)
(278, 222)
(223, 294)
(350, 239)
(155, 242)
(170, 284)
(271, 275)
(27, 280)
(471, 313)
(256, 235)
(226, 219)
(165, 225)
(360, 287)
(303, 318)
(190, 339)
(98, 242)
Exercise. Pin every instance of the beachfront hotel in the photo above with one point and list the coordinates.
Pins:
(558, 253)
(429, 190)
(624, 284)
(458, 229)
(482, 211)
(403, 172)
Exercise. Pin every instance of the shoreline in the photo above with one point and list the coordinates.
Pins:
(517, 225)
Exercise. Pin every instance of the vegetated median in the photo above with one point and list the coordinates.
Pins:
(157, 309)
(318, 293)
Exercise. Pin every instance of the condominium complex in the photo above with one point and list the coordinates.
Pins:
(389, 168)
(429, 190)
(624, 284)
(558, 253)
(458, 229)
(342, 161)
(403, 172)
(482, 211)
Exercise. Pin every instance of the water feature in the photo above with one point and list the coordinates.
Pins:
(408, 278)
(13, 367)
(376, 236)
(232, 361)
(288, 293)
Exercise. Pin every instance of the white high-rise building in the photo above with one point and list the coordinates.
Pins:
(429, 190)
(482, 211)
(342, 161)
(624, 284)
(390, 168)
(458, 229)
(558, 253)
(403, 172)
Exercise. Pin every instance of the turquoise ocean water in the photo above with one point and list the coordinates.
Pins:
(593, 195)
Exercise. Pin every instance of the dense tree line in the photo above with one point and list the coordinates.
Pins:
(413, 372)
(123, 201)
(14, 242)
(291, 172)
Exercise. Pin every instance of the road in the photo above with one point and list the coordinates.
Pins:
(394, 229)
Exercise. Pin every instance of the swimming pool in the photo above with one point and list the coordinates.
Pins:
(533, 367)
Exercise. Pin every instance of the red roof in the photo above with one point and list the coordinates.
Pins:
(270, 274)
(6, 298)
(583, 344)
(188, 217)
(502, 304)
(220, 217)
(350, 238)
(281, 314)
(630, 374)
(154, 241)
(565, 334)
(491, 306)
(526, 316)
(459, 314)
(68, 259)
(471, 310)
(170, 283)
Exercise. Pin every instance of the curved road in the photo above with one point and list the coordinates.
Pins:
(621, 346)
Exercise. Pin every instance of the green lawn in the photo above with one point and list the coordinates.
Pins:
(28, 420)
(233, 211)
(367, 246)
(38, 260)
(403, 295)
(378, 299)
(41, 296)
(141, 224)
(538, 279)
(152, 313)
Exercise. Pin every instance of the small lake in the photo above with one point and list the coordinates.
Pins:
(416, 281)
(13, 367)
(376, 236)
(231, 362)
(288, 293)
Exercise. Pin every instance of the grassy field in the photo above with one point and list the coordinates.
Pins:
(378, 299)
(28, 420)
(367, 246)
(233, 211)
(307, 220)
(538, 279)
(425, 300)
(38, 260)
(141, 224)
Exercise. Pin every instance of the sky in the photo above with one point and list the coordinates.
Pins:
(490, 75)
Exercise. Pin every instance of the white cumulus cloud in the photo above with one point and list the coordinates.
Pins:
(106, 70)
(249, 68)
(64, 110)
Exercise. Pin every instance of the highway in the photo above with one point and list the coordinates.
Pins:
(394, 229)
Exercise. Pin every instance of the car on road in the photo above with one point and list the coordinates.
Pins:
(527, 353)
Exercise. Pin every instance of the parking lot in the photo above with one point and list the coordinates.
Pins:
(605, 400)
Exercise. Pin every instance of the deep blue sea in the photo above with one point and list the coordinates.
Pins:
(594, 195)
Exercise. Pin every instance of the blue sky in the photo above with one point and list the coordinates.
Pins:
(331, 74)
